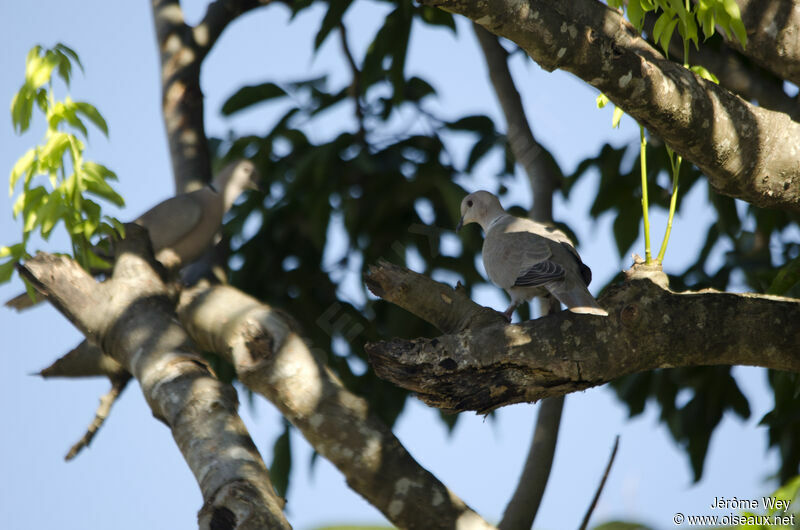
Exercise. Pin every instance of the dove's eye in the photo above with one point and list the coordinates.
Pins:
(469, 204)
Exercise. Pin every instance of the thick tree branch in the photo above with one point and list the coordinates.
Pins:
(735, 72)
(524, 504)
(526, 149)
(182, 99)
(746, 151)
(450, 310)
(272, 360)
(182, 50)
(773, 35)
(130, 318)
(648, 327)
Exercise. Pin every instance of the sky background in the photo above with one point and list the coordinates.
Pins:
(133, 475)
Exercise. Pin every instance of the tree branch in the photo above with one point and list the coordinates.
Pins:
(735, 72)
(130, 318)
(107, 400)
(84, 360)
(182, 99)
(741, 148)
(182, 50)
(272, 360)
(355, 84)
(773, 35)
(648, 327)
(524, 504)
(219, 14)
(526, 149)
(593, 504)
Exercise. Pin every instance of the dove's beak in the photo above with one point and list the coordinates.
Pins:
(460, 224)
(256, 186)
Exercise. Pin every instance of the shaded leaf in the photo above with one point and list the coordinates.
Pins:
(248, 96)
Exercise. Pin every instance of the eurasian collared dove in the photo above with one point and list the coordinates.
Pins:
(183, 227)
(527, 258)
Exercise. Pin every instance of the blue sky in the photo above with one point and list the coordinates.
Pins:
(133, 475)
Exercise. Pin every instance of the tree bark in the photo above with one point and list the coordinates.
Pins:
(272, 360)
(526, 149)
(129, 317)
(773, 35)
(649, 327)
(182, 50)
(746, 151)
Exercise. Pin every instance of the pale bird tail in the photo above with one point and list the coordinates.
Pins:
(578, 299)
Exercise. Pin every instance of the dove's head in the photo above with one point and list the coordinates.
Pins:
(480, 207)
(235, 178)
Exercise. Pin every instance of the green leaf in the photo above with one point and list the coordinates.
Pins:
(666, 36)
(602, 100)
(739, 30)
(635, 14)
(22, 108)
(708, 22)
(30, 289)
(250, 95)
(28, 201)
(65, 57)
(25, 164)
(50, 213)
(69, 52)
(736, 24)
(50, 157)
(658, 28)
(417, 88)
(626, 228)
(96, 262)
(116, 224)
(479, 124)
(331, 20)
(281, 462)
(704, 73)
(787, 277)
(437, 17)
(39, 69)
(94, 180)
(15, 251)
(89, 110)
(479, 150)
(618, 114)
(7, 270)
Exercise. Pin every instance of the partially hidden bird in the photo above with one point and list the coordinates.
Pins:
(183, 227)
(527, 258)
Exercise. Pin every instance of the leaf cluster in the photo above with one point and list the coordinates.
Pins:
(62, 194)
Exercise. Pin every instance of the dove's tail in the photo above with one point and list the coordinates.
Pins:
(579, 300)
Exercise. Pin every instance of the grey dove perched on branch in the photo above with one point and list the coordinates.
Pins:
(527, 258)
(183, 227)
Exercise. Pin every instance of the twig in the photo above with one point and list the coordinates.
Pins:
(107, 400)
(355, 86)
(84, 360)
(600, 486)
(524, 504)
